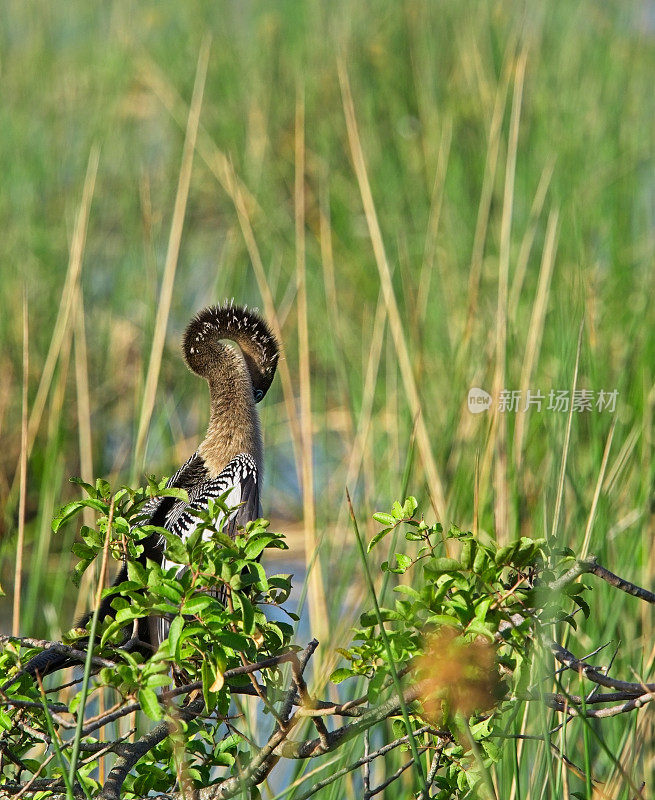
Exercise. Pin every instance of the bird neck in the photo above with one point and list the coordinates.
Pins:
(233, 420)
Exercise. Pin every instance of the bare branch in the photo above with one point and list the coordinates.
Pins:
(54, 647)
(592, 567)
(396, 775)
(569, 660)
(598, 713)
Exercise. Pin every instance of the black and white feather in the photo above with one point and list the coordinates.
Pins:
(239, 479)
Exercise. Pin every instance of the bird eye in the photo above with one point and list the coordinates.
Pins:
(258, 395)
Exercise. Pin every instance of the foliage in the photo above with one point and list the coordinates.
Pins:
(205, 637)
(475, 595)
(467, 618)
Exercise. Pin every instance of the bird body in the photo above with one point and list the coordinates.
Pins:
(229, 457)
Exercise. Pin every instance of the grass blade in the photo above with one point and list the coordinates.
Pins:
(435, 487)
(317, 605)
(170, 266)
(89, 652)
(18, 573)
(387, 647)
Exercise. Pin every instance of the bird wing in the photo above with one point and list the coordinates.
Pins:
(161, 511)
(240, 479)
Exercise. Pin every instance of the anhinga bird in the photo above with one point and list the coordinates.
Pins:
(229, 457)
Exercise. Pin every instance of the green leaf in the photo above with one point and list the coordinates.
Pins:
(403, 561)
(90, 490)
(413, 536)
(197, 604)
(223, 539)
(341, 674)
(127, 614)
(263, 581)
(174, 632)
(482, 607)
(82, 550)
(149, 703)
(492, 750)
(409, 507)
(175, 549)
(234, 640)
(207, 674)
(375, 686)
(103, 489)
(158, 680)
(481, 560)
(248, 615)
(468, 553)
(384, 519)
(444, 619)
(377, 538)
(408, 590)
(173, 491)
(504, 554)
(71, 509)
(583, 605)
(256, 545)
(136, 572)
(476, 626)
(437, 566)
(113, 628)
(164, 589)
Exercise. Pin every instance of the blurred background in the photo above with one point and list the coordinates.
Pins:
(424, 197)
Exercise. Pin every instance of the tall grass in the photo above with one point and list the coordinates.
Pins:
(422, 198)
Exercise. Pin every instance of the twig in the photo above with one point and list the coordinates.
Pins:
(56, 647)
(434, 767)
(315, 747)
(396, 775)
(568, 659)
(297, 668)
(608, 697)
(56, 708)
(598, 713)
(592, 567)
(367, 766)
(45, 784)
(35, 777)
(382, 751)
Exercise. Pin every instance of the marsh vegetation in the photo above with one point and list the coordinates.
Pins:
(423, 199)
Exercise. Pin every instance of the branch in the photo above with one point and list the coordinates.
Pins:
(364, 760)
(569, 660)
(336, 738)
(592, 567)
(133, 752)
(396, 775)
(48, 646)
(168, 694)
(554, 702)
